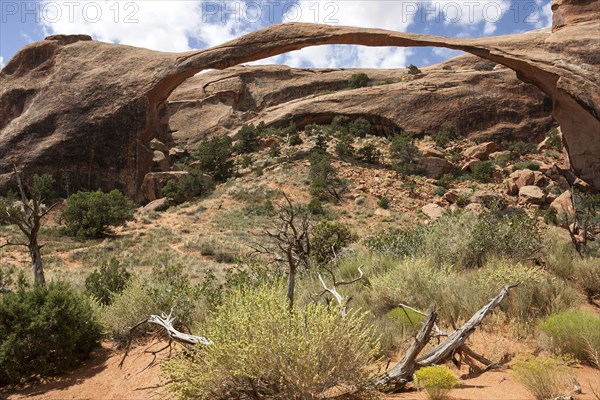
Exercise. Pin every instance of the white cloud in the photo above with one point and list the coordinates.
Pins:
(467, 14)
(394, 15)
(159, 25)
(1, 62)
(542, 16)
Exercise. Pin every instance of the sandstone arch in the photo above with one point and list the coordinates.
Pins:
(60, 113)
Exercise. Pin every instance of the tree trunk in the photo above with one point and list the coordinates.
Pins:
(291, 286)
(36, 263)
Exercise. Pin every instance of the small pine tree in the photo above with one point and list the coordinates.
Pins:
(215, 158)
(413, 69)
(358, 80)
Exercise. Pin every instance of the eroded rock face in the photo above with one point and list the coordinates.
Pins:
(482, 105)
(90, 126)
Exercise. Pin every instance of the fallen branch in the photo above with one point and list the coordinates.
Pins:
(402, 373)
(166, 321)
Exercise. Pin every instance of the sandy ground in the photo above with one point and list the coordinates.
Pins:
(102, 379)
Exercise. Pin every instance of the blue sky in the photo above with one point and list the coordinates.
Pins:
(195, 24)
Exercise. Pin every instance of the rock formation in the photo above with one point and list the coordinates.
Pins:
(483, 105)
(90, 126)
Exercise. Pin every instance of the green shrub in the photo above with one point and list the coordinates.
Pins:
(343, 147)
(445, 135)
(384, 203)
(467, 240)
(247, 139)
(327, 236)
(483, 171)
(553, 139)
(260, 346)
(295, 140)
(194, 184)
(45, 331)
(369, 154)
(544, 377)
(215, 158)
(360, 127)
(436, 381)
(246, 161)
(275, 150)
(358, 80)
(445, 181)
(325, 184)
(520, 149)
(413, 70)
(532, 165)
(586, 274)
(398, 243)
(315, 207)
(404, 153)
(91, 214)
(574, 332)
(485, 66)
(167, 288)
(110, 280)
(409, 321)
(440, 191)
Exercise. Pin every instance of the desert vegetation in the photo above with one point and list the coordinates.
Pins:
(286, 267)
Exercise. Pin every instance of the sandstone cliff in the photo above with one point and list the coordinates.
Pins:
(485, 105)
(86, 111)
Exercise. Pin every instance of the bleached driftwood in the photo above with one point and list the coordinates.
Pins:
(333, 289)
(402, 372)
(166, 321)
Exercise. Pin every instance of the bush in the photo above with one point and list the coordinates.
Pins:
(325, 183)
(343, 147)
(532, 165)
(436, 381)
(45, 331)
(467, 241)
(483, 171)
(247, 139)
(384, 203)
(327, 236)
(544, 377)
(194, 184)
(167, 288)
(261, 346)
(358, 80)
(445, 135)
(110, 280)
(398, 243)
(404, 153)
(90, 214)
(413, 69)
(315, 207)
(369, 154)
(295, 140)
(520, 148)
(360, 127)
(275, 150)
(553, 139)
(574, 332)
(215, 158)
(485, 66)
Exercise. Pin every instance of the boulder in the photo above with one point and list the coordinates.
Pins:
(457, 195)
(563, 205)
(160, 161)
(469, 164)
(531, 195)
(433, 211)
(436, 167)
(499, 154)
(480, 151)
(154, 182)
(156, 144)
(381, 212)
(475, 208)
(511, 187)
(523, 177)
(431, 152)
(156, 205)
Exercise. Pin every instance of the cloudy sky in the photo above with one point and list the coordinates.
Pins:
(195, 24)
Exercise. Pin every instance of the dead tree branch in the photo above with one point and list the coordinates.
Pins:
(333, 290)
(396, 378)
